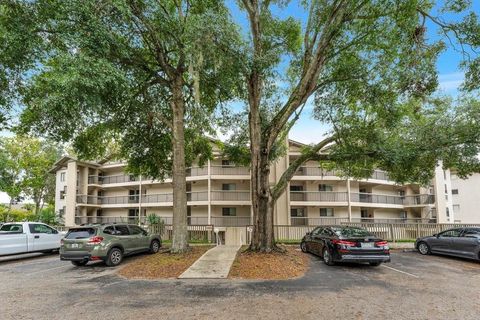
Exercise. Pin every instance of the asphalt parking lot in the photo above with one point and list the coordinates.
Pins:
(410, 287)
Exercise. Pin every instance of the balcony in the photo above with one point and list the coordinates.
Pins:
(323, 221)
(148, 198)
(230, 195)
(321, 172)
(419, 200)
(197, 171)
(112, 179)
(376, 198)
(316, 196)
(238, 221)
(229, 171)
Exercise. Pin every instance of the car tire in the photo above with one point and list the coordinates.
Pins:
(114, 257)
(79, 263)
(303, 246)
(327, 257)
(423, 248)
(154, 246)
(374, 264)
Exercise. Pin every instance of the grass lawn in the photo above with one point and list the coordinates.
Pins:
(275, 266)
(161, 265)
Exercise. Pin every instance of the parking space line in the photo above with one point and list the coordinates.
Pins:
(404, 272)
(46, 270)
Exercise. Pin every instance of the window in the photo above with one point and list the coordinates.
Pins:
(40, 228)
(454, 191)
(446, 190)
(80, 233)
(109, 230)
(317, 231)
(403, 214)
(63, 192)
(62, 177)
(229, 187)
(137, 230)
(61, 212)
(450, 233)
(444, 175)
(297, 212)
(296, 188)
(229, 212)
(99, 212)
(122, 230)
(133, 212)
(13, 228)
(326, 212)
(472, 232)
(448, 212)
(364, 213)
(325, 187)
(227, 163)
(401, 193)
(133, 196)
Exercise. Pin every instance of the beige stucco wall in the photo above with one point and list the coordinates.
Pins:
(466, 203)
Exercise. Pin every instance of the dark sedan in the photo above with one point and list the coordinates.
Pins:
(460, 242)
(346, 244)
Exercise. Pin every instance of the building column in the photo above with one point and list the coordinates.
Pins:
(209, 189)
(349, 201)
(140, 201)
(71, 196)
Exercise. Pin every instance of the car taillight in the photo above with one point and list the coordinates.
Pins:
(95, 240)
(381, 243)
(344, 243)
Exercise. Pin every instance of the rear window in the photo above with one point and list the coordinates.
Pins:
(80, 233)
(14, 228)
(352, 232)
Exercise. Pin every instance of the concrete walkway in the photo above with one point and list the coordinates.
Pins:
(213, 264)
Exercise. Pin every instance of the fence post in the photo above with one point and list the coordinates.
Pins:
(418, 230)
(391, 232)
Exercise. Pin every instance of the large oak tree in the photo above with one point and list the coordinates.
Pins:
(145, 74)
(370, 70)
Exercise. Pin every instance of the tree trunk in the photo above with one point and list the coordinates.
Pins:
(179, 242)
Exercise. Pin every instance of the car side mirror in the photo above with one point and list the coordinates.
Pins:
(308, 233)
(435, 235)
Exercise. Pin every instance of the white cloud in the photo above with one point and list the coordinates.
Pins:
(451, 82)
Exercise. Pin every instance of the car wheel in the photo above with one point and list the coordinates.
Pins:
(423, 248)
(327, 257)
(79, 263)
(114, 257)
(303, 246)
(375, 264)
(154, 246)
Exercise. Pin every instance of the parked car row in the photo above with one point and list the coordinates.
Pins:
(98, 242)
(353, 244)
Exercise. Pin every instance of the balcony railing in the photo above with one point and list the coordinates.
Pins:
(324, 221)
(112, 179)
(321, 172)
(148, 198)
(230, 195)
(197, 171)
(229, 170)
(327, 196)
(376, 198)
(419, 199)
(238, 221)
(316, 171)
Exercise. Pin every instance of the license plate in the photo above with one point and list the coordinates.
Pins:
(74, 245)
(367, 244)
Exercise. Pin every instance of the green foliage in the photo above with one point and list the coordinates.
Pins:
(153, 219)
(101, 73)
(24, 165)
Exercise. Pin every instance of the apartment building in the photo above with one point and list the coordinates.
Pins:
(219, 194)
(466, 198)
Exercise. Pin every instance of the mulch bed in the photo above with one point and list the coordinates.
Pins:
(162, 265)
(270, 266)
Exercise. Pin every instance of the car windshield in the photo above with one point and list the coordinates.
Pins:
(80, 233)
(17, 228)
(352, 232)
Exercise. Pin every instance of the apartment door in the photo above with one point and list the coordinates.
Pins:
(298, 216)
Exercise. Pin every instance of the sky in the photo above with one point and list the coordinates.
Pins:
(308, 130)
